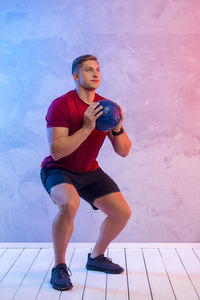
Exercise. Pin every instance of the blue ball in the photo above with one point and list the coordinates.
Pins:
(110, 117)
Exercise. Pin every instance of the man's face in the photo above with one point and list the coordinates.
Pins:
(89, 75)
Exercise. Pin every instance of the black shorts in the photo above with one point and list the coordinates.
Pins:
(89, 185)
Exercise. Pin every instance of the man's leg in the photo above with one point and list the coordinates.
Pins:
(67, 200)
(118, 212)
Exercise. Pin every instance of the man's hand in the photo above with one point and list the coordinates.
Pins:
(119, 125)
(121, 143)
(91, 114)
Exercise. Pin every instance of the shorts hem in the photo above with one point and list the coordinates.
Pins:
(117, 191)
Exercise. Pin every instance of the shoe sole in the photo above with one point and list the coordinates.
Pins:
(93, 268)
(57, 287)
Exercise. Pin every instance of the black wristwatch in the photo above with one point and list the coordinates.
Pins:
(118, 132)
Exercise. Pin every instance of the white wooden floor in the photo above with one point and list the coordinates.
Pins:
(153, 271)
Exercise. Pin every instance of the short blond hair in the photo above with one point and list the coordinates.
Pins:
(77, 62)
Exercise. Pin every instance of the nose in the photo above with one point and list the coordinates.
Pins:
(95, 74)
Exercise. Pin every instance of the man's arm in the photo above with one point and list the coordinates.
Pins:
(61, 144)
(121, 143)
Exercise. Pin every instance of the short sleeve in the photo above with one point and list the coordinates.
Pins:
(57, 114)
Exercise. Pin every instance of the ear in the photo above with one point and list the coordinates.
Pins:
(75, 76)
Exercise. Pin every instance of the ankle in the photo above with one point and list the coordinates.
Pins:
(59, 262)
(94, 255)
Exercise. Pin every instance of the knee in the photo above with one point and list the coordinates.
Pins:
(69, 208)
(123, 215)
(127, 213)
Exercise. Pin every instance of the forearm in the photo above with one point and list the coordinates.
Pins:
(65, 145)
(122, 144)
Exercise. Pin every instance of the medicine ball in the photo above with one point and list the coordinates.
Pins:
(110, 117)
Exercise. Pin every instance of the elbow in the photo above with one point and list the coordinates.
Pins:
(54, 157)
(124, 152)
(127, 149)
(54, 154)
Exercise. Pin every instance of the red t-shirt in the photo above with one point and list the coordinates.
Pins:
(67, 111)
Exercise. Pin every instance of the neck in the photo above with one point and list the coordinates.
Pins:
(86, 95)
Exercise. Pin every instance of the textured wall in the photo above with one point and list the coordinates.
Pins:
(150, 60)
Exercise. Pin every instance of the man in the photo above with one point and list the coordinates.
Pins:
(72, 170)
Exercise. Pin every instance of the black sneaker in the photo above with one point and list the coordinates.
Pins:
(103, 264)
(60, 277)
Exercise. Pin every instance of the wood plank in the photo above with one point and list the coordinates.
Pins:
(46, 290)
(117, 283)
(26, 245)
(192, 266)
(137, 278)
(2, 251)
(7, 259)
(182, 286)
(95, 286)
(79, 275)
(31, 284)
(197, 252)
(16, 274)
(160, 284)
